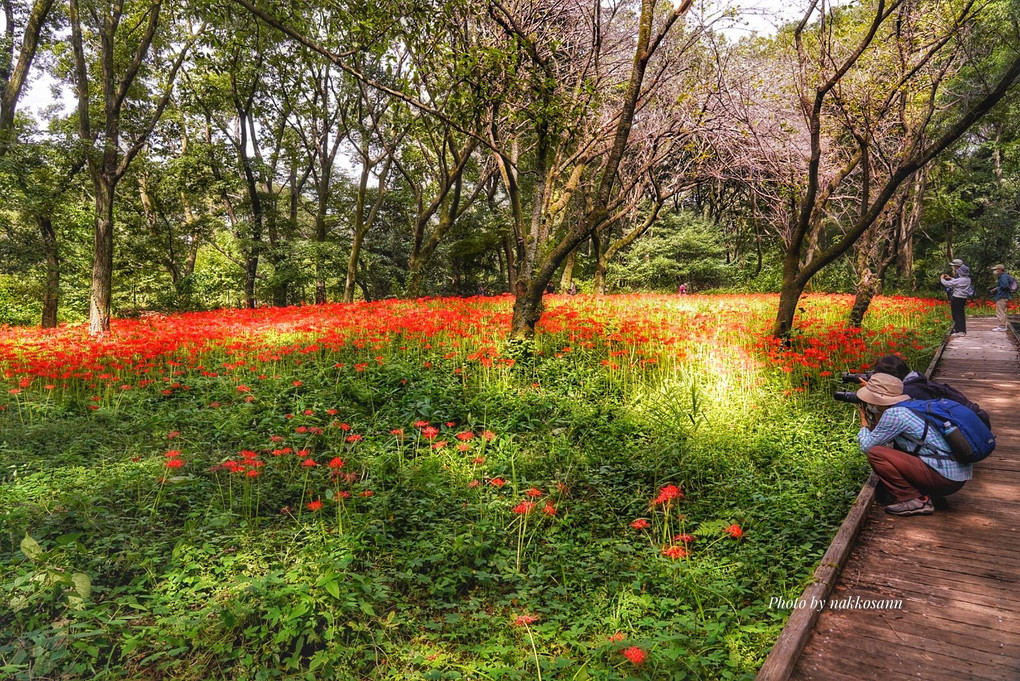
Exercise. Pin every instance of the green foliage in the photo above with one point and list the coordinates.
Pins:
(679, 248)
(114, 565)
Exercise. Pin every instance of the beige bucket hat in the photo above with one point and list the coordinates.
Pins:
(883, 390)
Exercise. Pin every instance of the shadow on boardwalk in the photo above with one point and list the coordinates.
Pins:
(957, 572)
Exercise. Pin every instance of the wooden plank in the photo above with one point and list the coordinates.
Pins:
(865, 657)
(854, 651)
(996, 567)
(992, 641)
(906, 636)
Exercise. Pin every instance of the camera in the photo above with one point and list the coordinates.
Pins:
(854, 378)
(848, 397)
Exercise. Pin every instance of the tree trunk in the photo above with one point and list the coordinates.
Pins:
(352, 266)
(599, 285)
(276, 258)
(320, 248)
(100, 300)
(51, 293)
(568, 273)
(528, 310)
(511, 269)
(867, 288)
(789, 296)
(251, 270)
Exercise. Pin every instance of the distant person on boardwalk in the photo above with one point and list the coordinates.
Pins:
(914, 463)
(549, 288)
(960, 288)
(573, 288)
(682, 290)
(1002, 293)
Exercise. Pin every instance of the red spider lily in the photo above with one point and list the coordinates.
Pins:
(524, 620)
(668, 494)
(336, 463)
(684, 538)
(549, 509)
(674, 552)
(342, 494)
(429, 432)
(488, 435)
(478, 460)
(497, 482)
(345, 427)
(635, 655)
(421, 424)
(332, 412)
(641, 524)
(354, 438)
(465, 436)
(314, 505)
(463, 447)
(172, 454)
(616, 638)
(534, 492)
(439, 444)
(172, 434)
(309, 463)
(734, 531)
(366, 493)
(474, 483)
(173, 463)
(524, 507)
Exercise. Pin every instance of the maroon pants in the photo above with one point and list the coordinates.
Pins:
(907, 477)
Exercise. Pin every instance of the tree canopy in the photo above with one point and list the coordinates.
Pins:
(235, 152)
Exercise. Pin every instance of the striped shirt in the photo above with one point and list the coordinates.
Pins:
(902, 429)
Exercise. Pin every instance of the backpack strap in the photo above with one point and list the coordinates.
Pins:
(924, 438)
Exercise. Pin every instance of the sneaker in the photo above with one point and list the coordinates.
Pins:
(958, 333)
(919, 506)
(999, 328)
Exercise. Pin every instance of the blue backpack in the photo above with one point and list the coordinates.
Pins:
(969, 439)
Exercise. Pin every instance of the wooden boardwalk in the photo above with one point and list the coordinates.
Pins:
(956, 572)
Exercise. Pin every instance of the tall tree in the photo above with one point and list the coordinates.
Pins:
(111, 45)
(14, 71)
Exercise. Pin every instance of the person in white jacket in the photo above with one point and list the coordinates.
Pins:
(960, 288)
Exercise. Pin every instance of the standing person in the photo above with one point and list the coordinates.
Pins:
(960, 289)
(954, 263)
(914, 463)
(1002, 295)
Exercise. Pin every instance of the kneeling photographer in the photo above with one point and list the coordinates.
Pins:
(914, 463)
(916, 385)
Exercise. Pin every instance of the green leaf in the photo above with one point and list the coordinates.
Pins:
(333, 589)
(82, 584)
(31, 548)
